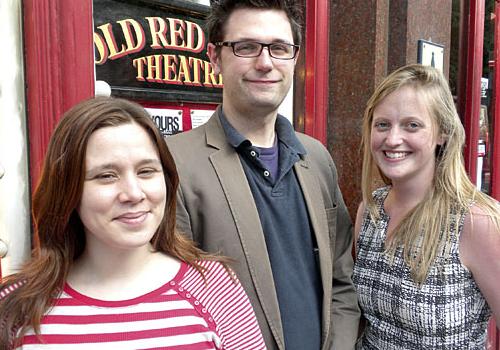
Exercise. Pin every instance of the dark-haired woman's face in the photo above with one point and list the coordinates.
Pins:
(124, 192)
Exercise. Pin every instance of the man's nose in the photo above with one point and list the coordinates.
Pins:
(264, 60)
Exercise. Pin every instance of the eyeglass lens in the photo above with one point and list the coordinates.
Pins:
(253, 49)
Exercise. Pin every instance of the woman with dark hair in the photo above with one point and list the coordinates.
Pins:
(110, 270)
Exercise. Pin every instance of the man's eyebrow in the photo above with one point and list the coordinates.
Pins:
(265, 42)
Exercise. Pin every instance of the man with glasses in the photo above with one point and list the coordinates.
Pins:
(255, 190)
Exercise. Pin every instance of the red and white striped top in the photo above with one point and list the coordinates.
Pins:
(187, 313)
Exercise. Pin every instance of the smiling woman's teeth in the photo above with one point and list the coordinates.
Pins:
(395, 155)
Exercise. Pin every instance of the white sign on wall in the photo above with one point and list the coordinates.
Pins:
(431, 54)
(200, 117)
(169, 121)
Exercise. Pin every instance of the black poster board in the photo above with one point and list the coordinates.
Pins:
(154, 50)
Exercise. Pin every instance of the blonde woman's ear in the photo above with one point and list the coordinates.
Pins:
(441, 139)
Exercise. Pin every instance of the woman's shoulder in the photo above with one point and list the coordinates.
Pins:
(211, 271)
(480, 235)
(479, 251)
(211, 282)
(224, 300)
(480, 220)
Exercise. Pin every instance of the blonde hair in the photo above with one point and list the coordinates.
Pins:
(426, 231)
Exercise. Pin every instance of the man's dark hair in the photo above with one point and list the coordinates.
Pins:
(222, 9)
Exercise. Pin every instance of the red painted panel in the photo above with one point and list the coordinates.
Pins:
(473, 85)
(316, 67)
(493, 333)
(59, 62)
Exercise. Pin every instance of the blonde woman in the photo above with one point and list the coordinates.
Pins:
(428, 243)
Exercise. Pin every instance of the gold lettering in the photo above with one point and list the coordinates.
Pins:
(154, 68)
(132, 46)
(177, 27)
(170, 65)
(101, 47)
(158, 29)
(196, 65)
(210, 79)
(139, 64)
(191, 29)
(114, 51)
(176, 69)
(184, 74)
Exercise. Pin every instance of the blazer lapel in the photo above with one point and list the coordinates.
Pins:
(319, 222)
(232, 178)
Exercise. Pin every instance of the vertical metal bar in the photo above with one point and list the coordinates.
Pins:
(473, 85)
(317, 67)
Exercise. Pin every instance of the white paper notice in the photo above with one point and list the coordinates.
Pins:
(200, 117)
(169, 121)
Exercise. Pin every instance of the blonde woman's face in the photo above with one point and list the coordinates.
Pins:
(404, 137)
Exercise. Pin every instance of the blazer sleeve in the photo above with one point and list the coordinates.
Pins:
(345, 309)
(183, 221)
(344, 312)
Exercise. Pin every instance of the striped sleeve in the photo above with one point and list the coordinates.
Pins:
(225, 300)
(9, 289)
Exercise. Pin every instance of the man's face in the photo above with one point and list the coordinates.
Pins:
(256, 84)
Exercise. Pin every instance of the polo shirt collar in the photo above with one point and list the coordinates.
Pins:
(284, 130)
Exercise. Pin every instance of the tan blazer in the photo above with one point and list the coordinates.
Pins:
(215, 206)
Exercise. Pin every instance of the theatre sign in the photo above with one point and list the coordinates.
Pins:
(154, 50)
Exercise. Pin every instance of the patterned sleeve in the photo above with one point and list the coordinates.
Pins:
(226, 301)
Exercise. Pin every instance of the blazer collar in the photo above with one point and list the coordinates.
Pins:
(218, 128)
(214, 132)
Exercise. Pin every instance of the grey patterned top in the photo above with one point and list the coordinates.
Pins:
(447, 312)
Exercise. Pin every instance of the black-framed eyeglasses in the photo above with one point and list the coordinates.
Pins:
(282, 51)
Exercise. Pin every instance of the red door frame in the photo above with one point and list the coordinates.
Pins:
(59, 67)
(316, 68)
(472, 87)
(474, 67)
(493, 333)
(495, 111)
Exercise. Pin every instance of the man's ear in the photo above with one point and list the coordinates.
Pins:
(296, 56)
(214, 58)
